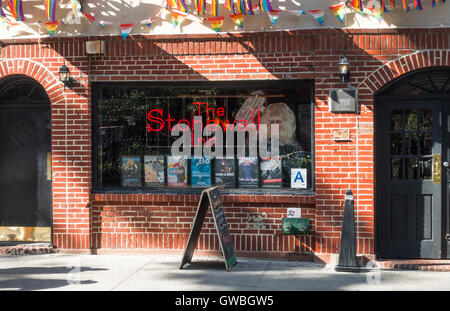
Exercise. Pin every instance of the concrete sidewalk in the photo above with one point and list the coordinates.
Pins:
(160, 272)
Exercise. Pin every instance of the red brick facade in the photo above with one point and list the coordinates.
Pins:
(82, 220)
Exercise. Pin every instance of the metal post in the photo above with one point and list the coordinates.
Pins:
(347, 251)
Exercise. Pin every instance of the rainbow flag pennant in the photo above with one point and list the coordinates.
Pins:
(435, 2)
(405, 6)
(229, 5)
(51, 28)
(125, 29)
(318, 14)
(75, 7)
(357, 5)
(172, 3)
(215, 7)
(338, 11)
(265, 5)
(238, 20)
(148, 22)
(89, 17)
(418, 4)
(216, 22)
(249, 7)
(201, 6)
(178, 17)
(3, 17)
(16, 9)
(274, 15)
(50, 9)
(181, 5)
(393, 3)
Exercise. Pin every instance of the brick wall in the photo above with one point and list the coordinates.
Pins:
(82, 220)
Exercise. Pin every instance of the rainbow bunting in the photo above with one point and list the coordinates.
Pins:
(51, 28)
(16, 9)
(215, 7)
(178, 17)
(274, 15)
(383, 7)
(418, 4)
(201, 6)
(229, 5)
(89, 17)
(249, 7)
(265, 5)
(181, 5)
(357, 5)
(3, 17)
(435, 2)
(241, 6)
(238, 20)
(338, 11)
(148, 22)
(318, 14)
(125, 29)
(405, 6)
(377, 13)
(216, 22)
(393, 3)
(172, 3)
(75, 7)
(50, 9)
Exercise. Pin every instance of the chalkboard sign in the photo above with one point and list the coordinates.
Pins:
(211, 197)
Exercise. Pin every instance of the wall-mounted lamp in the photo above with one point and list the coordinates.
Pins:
(344, 73)
(64, 76)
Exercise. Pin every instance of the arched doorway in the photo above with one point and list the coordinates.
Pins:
(412, 151)
(25, 160)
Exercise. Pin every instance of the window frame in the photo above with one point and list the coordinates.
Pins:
(96, 91)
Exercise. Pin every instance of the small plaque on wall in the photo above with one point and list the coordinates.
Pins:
(343, 100)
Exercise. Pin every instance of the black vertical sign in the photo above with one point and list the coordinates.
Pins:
(211, 197)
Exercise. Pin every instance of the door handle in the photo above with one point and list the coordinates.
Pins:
(49, 166)
(445, 164)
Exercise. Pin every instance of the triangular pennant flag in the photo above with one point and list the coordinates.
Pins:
(148, 22)
(357, 5)
(299, 12)
(274, 15)
(377, 13)
(3, 17)
(51, 28)
(418, 4)
(50, 9)
(216, 22)
(318, 14)
(181, 5)
(238, 20)
(435, 2)
(383, 7)
(265, 5)
(215, 7)
(393, 3)
(201, 6)
(172, 3)
(89, 17)
(125, 29)
(178, 17)
(105, 23)
(229, 5)
(16, 9)
(75, 7)
(338, 11)
(405, 6)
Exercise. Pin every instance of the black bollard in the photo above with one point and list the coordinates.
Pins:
(347, 251)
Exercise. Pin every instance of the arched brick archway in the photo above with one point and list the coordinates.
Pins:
(410, 62)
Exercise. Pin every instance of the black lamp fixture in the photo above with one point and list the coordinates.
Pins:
(344, 73)
(64, 76)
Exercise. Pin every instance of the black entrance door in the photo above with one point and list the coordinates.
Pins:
(25, 159)
(412, 151)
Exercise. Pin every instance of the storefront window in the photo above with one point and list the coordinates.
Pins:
(134, 141)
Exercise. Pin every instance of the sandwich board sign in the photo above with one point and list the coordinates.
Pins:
(210, 197)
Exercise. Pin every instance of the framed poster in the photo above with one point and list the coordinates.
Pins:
(248, 172)
(271, 172)
(176, 172)
(201, 172)
(131, 171)
(225, 171)
(154, 171)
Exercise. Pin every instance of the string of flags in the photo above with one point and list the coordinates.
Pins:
(238, 10)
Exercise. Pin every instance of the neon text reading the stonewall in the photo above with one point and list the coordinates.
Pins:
(156, 117)
(208, 141)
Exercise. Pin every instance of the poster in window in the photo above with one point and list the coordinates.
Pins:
(131, 171)
(248, 172)
(176, 172)
(271, 172)
(154, 170)
(225, 172)
(201, 172)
